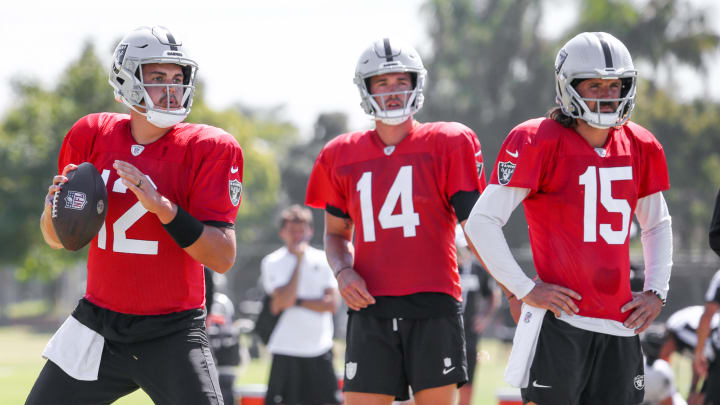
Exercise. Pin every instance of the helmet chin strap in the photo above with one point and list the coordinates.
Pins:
(164, 120)
(394, 121)
(600, 120)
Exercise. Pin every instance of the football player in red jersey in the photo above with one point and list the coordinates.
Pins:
(400, 189)
(581, 174)
(173, 194)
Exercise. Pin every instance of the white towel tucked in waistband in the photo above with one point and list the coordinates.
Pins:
(76, 349)
(517, 372)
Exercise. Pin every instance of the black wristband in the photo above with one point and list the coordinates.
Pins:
(184, 228)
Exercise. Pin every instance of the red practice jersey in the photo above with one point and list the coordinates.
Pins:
(134, 265)
(581, 204)
(399, 200)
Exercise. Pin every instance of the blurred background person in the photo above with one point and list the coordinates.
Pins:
(303, 288)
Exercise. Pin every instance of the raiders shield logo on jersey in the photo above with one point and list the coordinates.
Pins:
(235, 192)
(505, 172)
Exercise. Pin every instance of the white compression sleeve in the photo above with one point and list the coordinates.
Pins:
(654, 219)
(484, 227)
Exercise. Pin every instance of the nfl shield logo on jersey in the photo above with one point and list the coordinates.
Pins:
(505, 172)
(235, 192)
(350, 370)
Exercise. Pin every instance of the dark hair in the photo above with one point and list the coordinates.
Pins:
(559, 116)
(295, 213)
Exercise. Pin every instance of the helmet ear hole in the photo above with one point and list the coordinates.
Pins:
(627, 83)
(187, 74)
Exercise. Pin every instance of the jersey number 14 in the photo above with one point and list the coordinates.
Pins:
(401, 189)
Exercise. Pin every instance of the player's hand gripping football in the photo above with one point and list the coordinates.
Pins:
(354, 290)
(57, 184)
(553, 297)
(144, 190)
(645, 306)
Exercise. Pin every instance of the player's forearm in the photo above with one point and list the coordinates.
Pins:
(484, 228)
(215, 248)
(48, 230)
(655, 222)
(339, 252)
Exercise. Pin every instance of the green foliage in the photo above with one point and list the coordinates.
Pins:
(30, 137)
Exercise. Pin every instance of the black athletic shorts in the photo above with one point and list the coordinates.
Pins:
(711, 386)
(386, 355)
(173, 369)
(574, 366)
(303, 380)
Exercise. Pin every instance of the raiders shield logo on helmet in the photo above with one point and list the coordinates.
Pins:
(505, 172)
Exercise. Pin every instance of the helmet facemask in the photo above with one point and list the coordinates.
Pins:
(140, 48)
(392, 116)
(386, 56)
(579, 106)
(595, 55)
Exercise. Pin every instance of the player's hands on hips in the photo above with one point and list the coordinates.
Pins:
(143, 189)
(553, 297)
(57, 184)
(354, 290)
(645, 307)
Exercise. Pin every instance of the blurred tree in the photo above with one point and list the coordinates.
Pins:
(301, 157)
(491, 68)
(30, 137)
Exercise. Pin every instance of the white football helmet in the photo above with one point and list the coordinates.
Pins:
(151, 45)
(595, 55)
(390, 56)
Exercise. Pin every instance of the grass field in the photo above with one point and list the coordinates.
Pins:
(20, 363)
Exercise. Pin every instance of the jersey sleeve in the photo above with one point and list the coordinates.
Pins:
(322, 188)
(77, 144)
(654, 175)
(520, 160)
(216, 190)
(466, 171)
